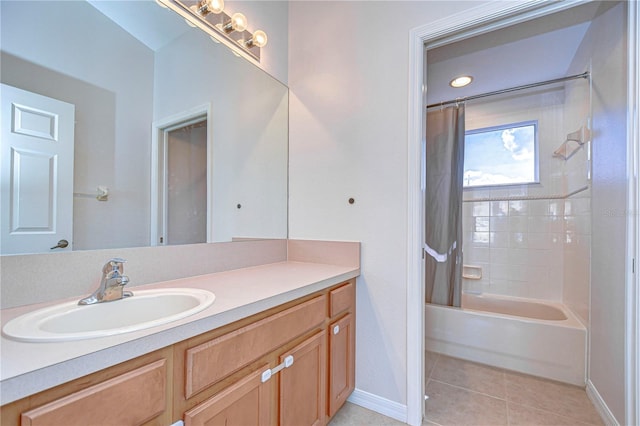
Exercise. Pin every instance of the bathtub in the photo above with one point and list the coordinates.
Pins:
(544, 339)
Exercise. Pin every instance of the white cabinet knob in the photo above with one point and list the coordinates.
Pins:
(336, 329)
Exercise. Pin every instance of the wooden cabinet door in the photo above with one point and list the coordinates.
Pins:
(341, 362)
(246, 402)
(303, 385)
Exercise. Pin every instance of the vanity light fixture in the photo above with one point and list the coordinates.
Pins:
(461, 81)
(206, 7)
(238, 22)
(259, 39)
(210, 16)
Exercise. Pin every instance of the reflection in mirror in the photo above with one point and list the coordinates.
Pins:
(129, 75)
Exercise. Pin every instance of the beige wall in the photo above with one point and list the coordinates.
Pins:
(348, 76)
(607, 48)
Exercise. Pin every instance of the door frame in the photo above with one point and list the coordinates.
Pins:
(632, 321)
(158, 131)
(475, 21)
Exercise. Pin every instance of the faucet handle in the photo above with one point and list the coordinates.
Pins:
(115, 264)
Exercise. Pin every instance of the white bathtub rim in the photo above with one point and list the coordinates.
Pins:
(572, 320)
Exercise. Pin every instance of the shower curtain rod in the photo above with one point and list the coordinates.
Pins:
(511, 89)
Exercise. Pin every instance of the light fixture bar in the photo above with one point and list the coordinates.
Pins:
(218, 22)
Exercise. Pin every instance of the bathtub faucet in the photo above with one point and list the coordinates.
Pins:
(111, 285)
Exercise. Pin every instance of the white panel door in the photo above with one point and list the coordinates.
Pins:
(36, 182)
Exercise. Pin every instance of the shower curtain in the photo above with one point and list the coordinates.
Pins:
(443, 205)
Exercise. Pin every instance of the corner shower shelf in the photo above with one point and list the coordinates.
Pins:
(573, 143)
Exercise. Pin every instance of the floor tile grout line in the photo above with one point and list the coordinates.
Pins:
(435, 363)
(506, 400)
(431, 422)
(506, 396)
(505, 380)
(479, 364)
(524, 404)
(549, 412)
(468, 390)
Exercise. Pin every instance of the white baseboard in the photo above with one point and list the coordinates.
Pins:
(380, 405)
(601, 407)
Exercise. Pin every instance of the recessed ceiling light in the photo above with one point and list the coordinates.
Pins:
(461, 81)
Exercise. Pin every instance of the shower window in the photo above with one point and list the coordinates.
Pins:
(501, 155)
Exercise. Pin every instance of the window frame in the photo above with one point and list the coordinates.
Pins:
(536, 152)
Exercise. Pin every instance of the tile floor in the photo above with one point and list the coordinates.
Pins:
(466, 393)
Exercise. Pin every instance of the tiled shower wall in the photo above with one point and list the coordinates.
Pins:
(531, 248)
(577, 174)
(577, 254)
(518, 244)
(534, 248)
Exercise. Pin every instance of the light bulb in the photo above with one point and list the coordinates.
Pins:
(206, 7)
(461, 81)
(259, 39)
(238, 22)
(216, 6)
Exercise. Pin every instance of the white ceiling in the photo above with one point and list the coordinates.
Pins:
(144, 19)
(537, 50)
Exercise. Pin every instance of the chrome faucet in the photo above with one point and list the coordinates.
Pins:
(111, 284)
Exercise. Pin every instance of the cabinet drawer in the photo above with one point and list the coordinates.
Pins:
(342, 298)
(212, 361)
(129, 399)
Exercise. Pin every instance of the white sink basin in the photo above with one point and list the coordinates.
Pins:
(145, 309)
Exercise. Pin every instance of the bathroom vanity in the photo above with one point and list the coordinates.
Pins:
(276, 347)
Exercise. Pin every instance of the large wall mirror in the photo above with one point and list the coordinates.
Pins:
(174, 139)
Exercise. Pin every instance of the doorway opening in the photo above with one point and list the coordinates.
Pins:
(184, 184)
(480, 21)
(180, 193)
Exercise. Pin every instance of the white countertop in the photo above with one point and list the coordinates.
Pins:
(27, 368)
